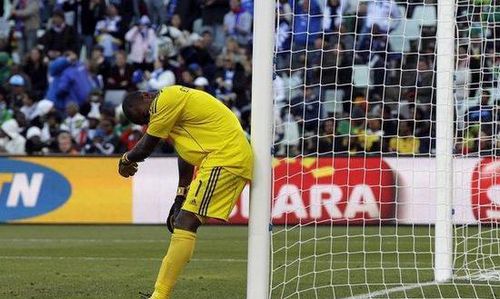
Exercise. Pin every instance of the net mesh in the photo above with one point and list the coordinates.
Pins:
(354, 196)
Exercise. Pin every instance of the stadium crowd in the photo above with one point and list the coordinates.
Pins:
(65, 66)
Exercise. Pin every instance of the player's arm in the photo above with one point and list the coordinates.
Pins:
(143, 149)
(186, 171)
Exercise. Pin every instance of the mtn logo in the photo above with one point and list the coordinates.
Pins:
(28, 189)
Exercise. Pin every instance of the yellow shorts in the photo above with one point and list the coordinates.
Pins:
(214, 192)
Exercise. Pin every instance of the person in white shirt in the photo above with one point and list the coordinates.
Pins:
(11, 141)
(108, 31)
(160, 77)
(238, 23)
(74, 122)
(382, 16)
(29, 106)
(334, 12)
(142, 40)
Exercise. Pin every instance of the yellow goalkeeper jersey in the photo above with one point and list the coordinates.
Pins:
(203, 130)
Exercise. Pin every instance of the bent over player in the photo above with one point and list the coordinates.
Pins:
(206, 134)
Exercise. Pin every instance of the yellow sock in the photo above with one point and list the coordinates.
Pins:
(178, 255)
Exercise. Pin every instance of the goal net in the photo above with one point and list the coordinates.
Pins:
(360, 125)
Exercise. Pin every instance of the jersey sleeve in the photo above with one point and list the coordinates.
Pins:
(164, 113)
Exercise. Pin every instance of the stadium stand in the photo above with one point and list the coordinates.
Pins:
(65, 66)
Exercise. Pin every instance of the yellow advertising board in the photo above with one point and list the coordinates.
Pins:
(63, 190)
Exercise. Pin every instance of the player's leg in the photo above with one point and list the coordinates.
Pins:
(213, 194)
(179, 253)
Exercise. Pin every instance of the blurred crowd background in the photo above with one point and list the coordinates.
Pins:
(351, 76)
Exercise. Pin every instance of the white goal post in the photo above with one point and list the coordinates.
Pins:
(259, 238)
(376, 140)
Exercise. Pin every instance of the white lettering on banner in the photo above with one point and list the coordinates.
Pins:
(23, 190)
(493, 193)
(362, 200)
(289, 200)
(415, 194)
(334, 193)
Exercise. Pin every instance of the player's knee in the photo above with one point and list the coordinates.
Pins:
(187, 221)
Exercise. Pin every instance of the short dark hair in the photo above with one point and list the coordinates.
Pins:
(131, 100)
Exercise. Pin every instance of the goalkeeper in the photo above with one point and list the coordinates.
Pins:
(206, 134)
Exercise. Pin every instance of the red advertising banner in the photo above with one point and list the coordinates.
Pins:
(342, 190)
(485, 191)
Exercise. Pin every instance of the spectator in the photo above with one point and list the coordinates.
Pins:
(109, 31)
(26, 14)
(187, 78)
(212, 18)
(160, 77)
(5, 70)
(36, 70)
(5, 112)
(238, 23)
(91, 12)
(207, 42)
(382, 16)
(17, 88)
(120, 75)
(156, 10)
(90, 131)
(188, 11)
(333, 14)
(485, 143)
(50, 129)
(60, 37)
(99, 63)
(198, 53)
(307, 23)
(131, 136)
(172, 38)
(425, 82)
(43, 107)
(22, 122)
(65, 145)
(230, 78)
(405, 142)
(483, 112)
(11, 142)
(371, 137)
(34, 144)
(29, 106)
(105, 142)
(95, 103)
(143, 42)
(74, 123)
(74, 85)
(291, 136)
(201, 83)
(307, 110)
(329, 143)
(56, 68)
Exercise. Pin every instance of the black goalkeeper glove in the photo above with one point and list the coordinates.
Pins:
(176, 207)
(126, 168)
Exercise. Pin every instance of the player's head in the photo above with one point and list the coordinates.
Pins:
(136, 106)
